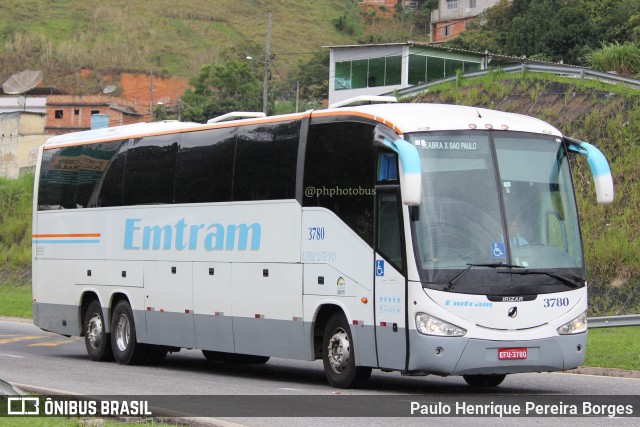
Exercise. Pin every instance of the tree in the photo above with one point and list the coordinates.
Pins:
(219, 89)
(550, 29)
(313, 76)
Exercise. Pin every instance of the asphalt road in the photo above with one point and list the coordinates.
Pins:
(37, 360)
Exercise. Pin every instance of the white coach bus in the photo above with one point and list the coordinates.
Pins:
(425, 239)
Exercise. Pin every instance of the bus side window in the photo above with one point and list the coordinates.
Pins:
(339, 173)
(265, 161)
(204, 170)
(58, 178)
(150, 170)
(108, 192)
(96, 159)
(389, 236)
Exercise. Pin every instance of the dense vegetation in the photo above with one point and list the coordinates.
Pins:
(556, 30)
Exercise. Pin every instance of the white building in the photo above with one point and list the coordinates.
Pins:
(378, 69)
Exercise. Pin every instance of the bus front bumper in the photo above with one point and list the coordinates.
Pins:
(469, 356)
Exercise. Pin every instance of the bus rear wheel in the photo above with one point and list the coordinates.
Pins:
(338, 355)
(492, 380)
(123, 336)
(96, 339)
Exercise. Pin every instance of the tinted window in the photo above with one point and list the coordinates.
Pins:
(150, 170)
(205, 166)
(94, 162)
(265, 164)
(340, 169)
(389, 237)
(58, 178)
(108, 192)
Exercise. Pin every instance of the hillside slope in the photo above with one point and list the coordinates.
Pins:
(607, 116)
(166, 37)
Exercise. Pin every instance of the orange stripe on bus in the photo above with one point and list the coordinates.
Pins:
(66, 235)
(357, 114)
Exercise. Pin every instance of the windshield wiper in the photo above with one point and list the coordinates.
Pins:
(469, 266)
(562, 279)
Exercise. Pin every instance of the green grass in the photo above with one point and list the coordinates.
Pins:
(614, 348)
(622, 58)
(15, 222)
(15, 301)
(60, 40)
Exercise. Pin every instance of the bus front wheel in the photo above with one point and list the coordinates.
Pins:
(338, 355)
(96, 339)
(493, 380)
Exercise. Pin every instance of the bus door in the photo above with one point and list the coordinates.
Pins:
(390, 280)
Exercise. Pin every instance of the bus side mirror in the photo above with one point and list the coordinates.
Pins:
(599, 168)
(410, 170)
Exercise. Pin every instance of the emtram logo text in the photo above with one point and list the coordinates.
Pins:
(181, 236)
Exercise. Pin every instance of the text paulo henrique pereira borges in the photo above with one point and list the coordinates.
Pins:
(526, 409)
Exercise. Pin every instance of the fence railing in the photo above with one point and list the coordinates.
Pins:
(562, 70)
(613, 321)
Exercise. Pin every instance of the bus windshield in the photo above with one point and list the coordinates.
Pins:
(497, 199)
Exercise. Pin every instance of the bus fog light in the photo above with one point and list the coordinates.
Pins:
(429, 325)
(576, 326)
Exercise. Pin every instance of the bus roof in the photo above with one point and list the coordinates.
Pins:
(403, 118)
(406, 118)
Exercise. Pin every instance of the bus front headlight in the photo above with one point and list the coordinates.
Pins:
(576, 326)
(429, 325)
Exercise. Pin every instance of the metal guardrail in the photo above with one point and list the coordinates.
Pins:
(614, 321)
(562, 70)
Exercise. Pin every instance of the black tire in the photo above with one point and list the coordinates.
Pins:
(96, 340)
(338, 355)
(234, 358)
(492, 380)
(123, 336)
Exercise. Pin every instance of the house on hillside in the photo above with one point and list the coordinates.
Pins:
(451, 17)
(22, 134)
(67, 113)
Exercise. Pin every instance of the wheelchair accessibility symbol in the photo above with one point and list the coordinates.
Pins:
(497, 250)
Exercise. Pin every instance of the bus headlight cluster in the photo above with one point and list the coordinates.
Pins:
(429, 325)
(576, 326)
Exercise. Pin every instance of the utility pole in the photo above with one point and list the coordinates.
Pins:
(151, 93)
(267, 59)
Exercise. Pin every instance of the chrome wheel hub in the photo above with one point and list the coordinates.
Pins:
(94, 331)
(122, 331)
(339, 351)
